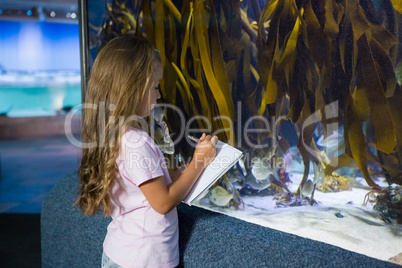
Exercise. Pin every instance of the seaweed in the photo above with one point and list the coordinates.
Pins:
(298, 61)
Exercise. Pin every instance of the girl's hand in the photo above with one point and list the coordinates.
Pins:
(205, 151)
(163, 198)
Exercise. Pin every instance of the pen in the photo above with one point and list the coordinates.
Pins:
(193, 138)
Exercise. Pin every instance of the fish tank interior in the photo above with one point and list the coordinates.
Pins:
(39, 60)
(309, 91)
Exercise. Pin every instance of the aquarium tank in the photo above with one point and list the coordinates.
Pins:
(310, 91)
(39, 61)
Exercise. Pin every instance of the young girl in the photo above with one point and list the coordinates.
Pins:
(122, 171)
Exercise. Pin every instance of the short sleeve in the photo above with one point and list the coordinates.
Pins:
(142, 162)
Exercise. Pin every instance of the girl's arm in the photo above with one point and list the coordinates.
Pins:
(176, 174)
(163, 198)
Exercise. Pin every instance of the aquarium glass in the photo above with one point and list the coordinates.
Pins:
(310, 91)
(39, 68)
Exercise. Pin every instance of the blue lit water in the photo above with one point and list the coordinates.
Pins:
(39, 68)
(38, 94)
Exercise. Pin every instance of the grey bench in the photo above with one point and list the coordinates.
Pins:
(207, 239)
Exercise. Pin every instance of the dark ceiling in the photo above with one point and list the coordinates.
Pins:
(64, 11)
(57, 4)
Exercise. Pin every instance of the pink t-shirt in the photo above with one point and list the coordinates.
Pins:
(139, 236)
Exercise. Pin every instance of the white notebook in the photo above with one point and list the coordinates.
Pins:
(226, 157)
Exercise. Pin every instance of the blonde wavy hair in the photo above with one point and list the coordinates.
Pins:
(119, 82)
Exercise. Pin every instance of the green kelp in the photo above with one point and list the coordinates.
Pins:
(319, 52)
(308, 64)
